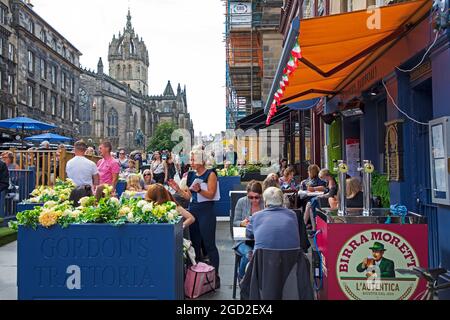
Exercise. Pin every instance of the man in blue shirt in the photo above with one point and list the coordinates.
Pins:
(274, 227)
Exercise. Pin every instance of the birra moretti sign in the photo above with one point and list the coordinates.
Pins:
(366, 266)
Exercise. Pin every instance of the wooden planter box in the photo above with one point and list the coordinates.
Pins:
(101, 261)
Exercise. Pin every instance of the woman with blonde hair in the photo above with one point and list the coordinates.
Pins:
(134, 183)
(271, 181)
(353, 193)
(158, 194)
(203, 186)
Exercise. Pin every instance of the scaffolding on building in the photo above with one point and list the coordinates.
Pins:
(244, 54)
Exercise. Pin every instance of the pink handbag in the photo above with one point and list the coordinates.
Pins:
(200, 279)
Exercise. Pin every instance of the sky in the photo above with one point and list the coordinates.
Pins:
(184, 40)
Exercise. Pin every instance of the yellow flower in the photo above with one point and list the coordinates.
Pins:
(124, 211)
(75, 214)
(84, 201)
(48, 218)
(115, 201)
(50, 204)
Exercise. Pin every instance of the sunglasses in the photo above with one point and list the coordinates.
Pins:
(147, 174)
(254, 198)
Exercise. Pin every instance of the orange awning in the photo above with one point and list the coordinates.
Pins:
(335, 47)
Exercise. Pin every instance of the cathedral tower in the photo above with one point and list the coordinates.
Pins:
(128, 59)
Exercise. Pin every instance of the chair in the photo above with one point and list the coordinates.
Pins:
(277, 275)
(237, 261)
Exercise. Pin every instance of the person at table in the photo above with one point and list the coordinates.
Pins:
(159, 169)
(245, 208)
(81, 170)
(313, 183)
(134, 183)
(8, 158)
(131, 167)
(158, 194)
(123, 160)
(108, 167)
(283, 166)
(202, 197)
(271, 180)
(353, 192)
(287, 181)
(322, 200)
(148, 178)
(275, 227)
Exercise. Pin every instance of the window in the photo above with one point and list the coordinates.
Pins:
(43, 36)
(64, 52)
(2, 42)
(11, 84)
(3, 15)
(43, 69)
(11, 50)
(53, 104)
(113, 122)
(30, 95)
(131, 47)
(1, 80)
(72, 85)
(130, 72)
(10, 113)
(72, 112)
(30, 61)
(31, 27)
(53, 71)
(63, 109)
(43, 99)
(63, 80)
(53, 43)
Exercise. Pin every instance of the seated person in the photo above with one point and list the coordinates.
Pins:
(287, 181)
(272, 180)
(275, 227)
(313, 183)
(8, 158)
(158, 194)
(316, 202)
(131, 167)
(354, 194)
(134, 183)
(245, 208)
(80, 192)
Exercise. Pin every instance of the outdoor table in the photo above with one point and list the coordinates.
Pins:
(239, 234)
(307, 194)
(344, 242)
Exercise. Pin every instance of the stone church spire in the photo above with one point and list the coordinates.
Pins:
(129, 27)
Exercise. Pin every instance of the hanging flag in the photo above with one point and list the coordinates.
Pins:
(280, 92)
(297, 51)
(282, 85)
(285, 80)
(292, 65)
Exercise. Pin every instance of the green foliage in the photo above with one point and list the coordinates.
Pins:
(253, 168)
(334, 147)
(232, 171)
(380, 187)
(161, 140)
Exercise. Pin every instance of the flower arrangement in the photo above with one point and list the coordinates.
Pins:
(232, 171)
(109, 210)
(60, 192)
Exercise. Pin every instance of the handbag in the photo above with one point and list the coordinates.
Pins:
(200, 279)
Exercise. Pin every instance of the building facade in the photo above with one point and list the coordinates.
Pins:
(8, 64)
(48, 71)
(117, 107)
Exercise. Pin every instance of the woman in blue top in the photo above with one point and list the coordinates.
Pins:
(201, 206)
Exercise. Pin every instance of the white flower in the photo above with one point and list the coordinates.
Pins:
(124, 211)
(130, 217)
(34, 200)
(141, 203)
(67, 212)
(170, 215)
(50, 204)
(75, 214)
(84, 201)
(148, 207)
(115, 201)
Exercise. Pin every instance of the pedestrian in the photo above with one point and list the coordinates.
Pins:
(80, 169)
(159, 170)
(4, 177)
(90, 151)
(108, 167)
(123, 160)
(203, 186)
(171, 168)
(8, 158)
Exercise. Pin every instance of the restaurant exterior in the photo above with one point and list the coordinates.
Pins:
(383, 97)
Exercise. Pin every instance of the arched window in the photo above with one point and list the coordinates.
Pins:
(118, 72)
(113, 123)
(135, 121)
(130, 72)
(53, 44)
(123, 71)
(64, 52)
(131, 47)
(43, 36)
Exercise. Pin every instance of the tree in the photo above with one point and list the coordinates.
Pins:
(161, 140)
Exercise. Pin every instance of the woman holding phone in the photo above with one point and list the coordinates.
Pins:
(202, 190)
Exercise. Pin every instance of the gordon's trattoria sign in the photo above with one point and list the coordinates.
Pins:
(366, 266)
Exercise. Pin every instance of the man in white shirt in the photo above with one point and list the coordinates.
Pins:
(80, 169)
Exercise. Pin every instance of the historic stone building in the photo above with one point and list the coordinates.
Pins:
(8, 63)
(47, 71)
(117, 107)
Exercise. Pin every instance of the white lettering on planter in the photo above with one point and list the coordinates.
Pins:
(74, 280)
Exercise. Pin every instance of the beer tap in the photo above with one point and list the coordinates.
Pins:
(367, 170)
(342, 169)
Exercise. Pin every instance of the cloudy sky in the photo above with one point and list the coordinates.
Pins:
(184, 40)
